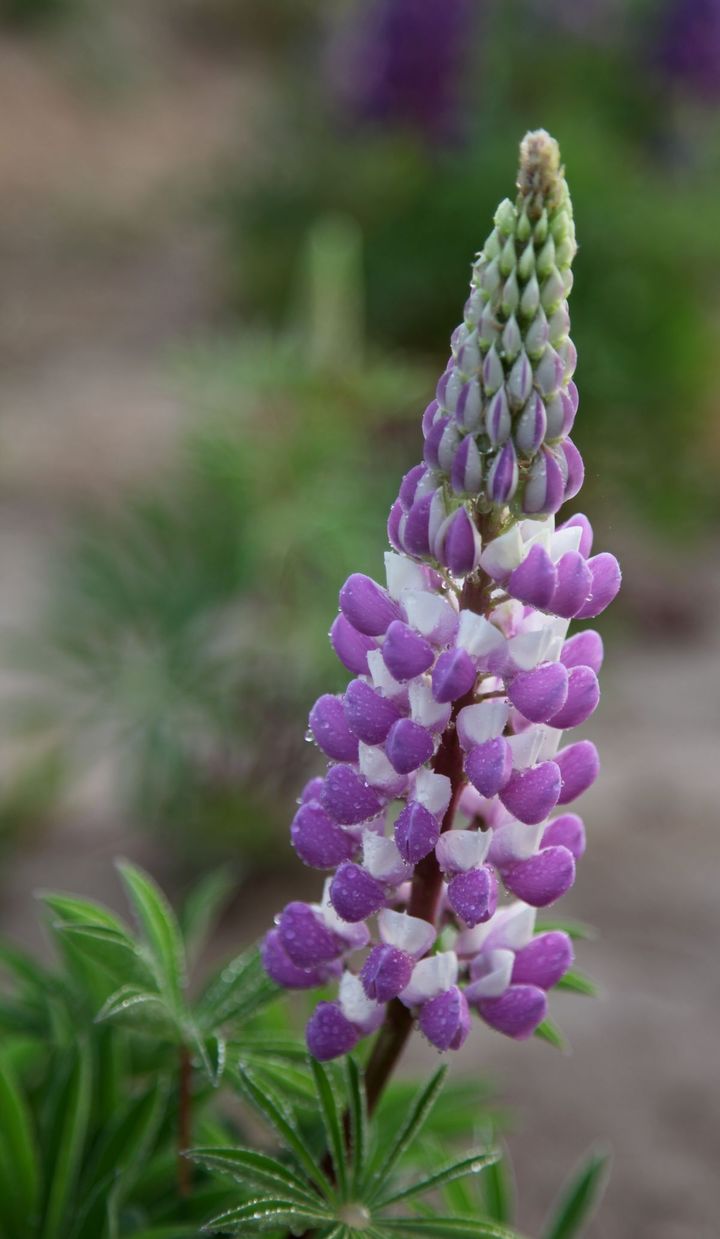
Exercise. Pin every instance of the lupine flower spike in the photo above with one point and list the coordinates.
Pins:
(443, 818)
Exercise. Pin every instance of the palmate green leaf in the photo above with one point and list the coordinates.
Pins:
(203, 907)
(160, 929)
(578, 983)
(408, 1131)
(213, 1054)
(130, 1001)
(471, 1165)
(76, 911)
(238, 990)
(293, 1082)
(114, 953)
(357, 1110)
(264, 1101)
(257, 1170)
(332, 1122)
(580, 1197)
(68, 1129)
(19, 1171)
(267, 1214)
(462, 1106)
(447, 1228)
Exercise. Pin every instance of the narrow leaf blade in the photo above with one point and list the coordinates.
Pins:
(580, 1197)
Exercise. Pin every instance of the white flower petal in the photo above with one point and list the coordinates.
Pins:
(433, 791)
(382, 859)
(431, 976)
(405, 932)
(424, 709)
(491, 971)
(355, 1004)
(485, 720)
(503, 554)
(402, 573)
(460, 850)
(478, 636)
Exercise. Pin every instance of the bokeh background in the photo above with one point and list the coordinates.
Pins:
(234, 238)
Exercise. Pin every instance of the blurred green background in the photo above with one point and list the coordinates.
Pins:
(357, 153)
(235, 237)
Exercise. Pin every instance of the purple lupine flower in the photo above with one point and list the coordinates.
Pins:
(447, 777)
(687, 47)
(402, 62)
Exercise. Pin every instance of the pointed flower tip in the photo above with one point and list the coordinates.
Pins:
(540, 175)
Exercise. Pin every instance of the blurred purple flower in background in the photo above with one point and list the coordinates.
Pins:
(403, 62)
(688, 46)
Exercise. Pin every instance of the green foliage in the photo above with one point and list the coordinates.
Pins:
(91, 1079)
(365, 1177)
(579, 1197)
(115, 1062)
(187, 628)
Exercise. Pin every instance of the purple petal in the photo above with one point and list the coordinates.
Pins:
(394, 526)
(329, 1033)
(473, 895)
(348, 798)
(367, 606)
(352, 647)
(453, 675)
(330, 730)
(582, 699)
(540, 693)
(581, 522)
(405, 652)
(468, 410)
(318, 840)
(545, 486)
(531, 426)
(312, 789)
(445, 1019)
(460, 544)
(498, 422)
(429, 416)
(542, 878)
(531, 794)
(566, 831)
(585, 649)
(416, 534)
(416, 832)
(409, 485)
(432, 442)
(606, 577)
(281, 969)
(574, 580)
(544, 960)
(408, 746)
(489, 766)
(517, 1012)
(534, 580)
(579, 766)
(369, 715)
(305, 937)
(503, 476)
(386, 972)
(575, 469)
(466, 471)
(354, 893)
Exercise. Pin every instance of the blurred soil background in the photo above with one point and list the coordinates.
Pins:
(175, 420)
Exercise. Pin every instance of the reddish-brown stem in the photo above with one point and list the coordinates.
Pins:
(184, 1120)
(427, 879)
